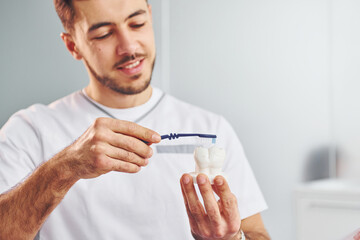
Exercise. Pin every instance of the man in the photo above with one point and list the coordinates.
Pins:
(71, 170)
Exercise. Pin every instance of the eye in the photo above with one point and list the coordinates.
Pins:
(103, 36)
(137, 25)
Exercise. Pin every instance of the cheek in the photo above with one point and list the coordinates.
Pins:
(99, 50)
(103, 49)
(102, 55)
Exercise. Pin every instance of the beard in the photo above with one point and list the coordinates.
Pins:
(112, 84)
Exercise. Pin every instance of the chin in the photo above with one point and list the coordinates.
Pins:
(132, 88)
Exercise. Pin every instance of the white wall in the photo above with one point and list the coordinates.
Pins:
(345, 67)
(265, 66)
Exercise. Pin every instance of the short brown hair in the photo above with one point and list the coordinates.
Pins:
(66, 13)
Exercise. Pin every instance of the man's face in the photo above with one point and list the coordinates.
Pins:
(115, 39)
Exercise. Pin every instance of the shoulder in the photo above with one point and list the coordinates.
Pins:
(71, 102)
(68, 102)
(187, 110)
(38, 115)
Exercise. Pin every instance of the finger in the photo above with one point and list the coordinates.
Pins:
(121, 166)
(214, 189)
(211, 205)
(195, 207)
(228, 201)
(134, 130)
(123, 155)
(131, 144)
(193, 223)
(104, 164)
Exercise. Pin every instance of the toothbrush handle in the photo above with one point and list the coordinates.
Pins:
(178, 135)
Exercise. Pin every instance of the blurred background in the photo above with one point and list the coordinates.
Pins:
(285, 73)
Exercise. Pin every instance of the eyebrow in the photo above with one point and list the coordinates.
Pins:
(138, 12)
(102, 24)
(99, 25)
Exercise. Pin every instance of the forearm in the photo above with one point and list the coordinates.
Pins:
(263, 235)
(25, 208)
(236, 237)
(253, 228)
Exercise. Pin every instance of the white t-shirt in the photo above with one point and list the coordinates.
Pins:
(145, 205)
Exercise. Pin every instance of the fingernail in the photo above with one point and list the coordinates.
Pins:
(156, 138)
(186, 180)
(201, 179)
(219, 181)
(146, 161)
(151, 151)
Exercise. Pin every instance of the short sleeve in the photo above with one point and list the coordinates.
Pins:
(20, 150)
(239, 173)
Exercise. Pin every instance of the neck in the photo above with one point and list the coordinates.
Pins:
(112, 99)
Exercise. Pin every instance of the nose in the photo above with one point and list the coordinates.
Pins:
(127, 44)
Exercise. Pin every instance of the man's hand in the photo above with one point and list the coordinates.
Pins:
(219, 219)
(107, 145)
(110, 145)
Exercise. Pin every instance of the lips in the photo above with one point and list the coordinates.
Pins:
(133, 67)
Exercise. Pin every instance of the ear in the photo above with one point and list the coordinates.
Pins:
(150, 11)
(71, 46)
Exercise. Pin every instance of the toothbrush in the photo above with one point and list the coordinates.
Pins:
(172, 136)
(179, 135)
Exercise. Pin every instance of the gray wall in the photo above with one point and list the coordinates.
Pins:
(284, 73)
(34, 64)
